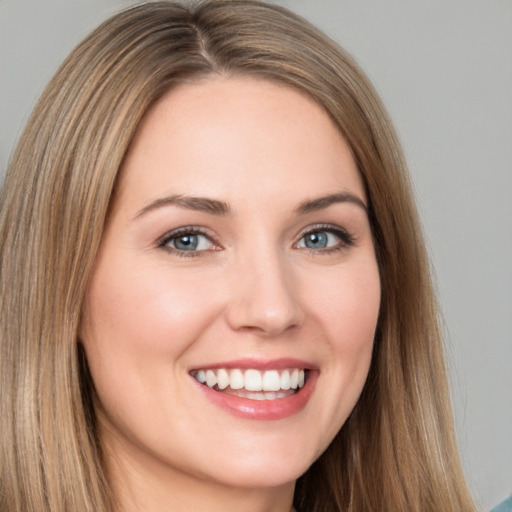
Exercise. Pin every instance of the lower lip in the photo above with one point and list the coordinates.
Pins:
(277, 409)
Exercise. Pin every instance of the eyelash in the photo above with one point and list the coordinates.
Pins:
(187, 230)
(346, 240)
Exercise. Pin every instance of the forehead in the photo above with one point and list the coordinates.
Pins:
(238, 138)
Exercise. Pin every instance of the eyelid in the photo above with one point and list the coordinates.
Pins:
(347, 238)
(187, 230)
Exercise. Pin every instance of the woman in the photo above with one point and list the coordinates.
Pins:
(214, 289)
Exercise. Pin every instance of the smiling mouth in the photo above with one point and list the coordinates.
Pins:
(253, 384)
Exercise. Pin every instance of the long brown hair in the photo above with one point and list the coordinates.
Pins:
(396, 452)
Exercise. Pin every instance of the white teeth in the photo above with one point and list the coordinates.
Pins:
(261, 385)
(222, 379)
(236, 378)
(211, 378)
(253, 380)
(271, 381)
(294, 379)
(285, 380)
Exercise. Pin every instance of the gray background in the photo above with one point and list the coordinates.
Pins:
(444, 70)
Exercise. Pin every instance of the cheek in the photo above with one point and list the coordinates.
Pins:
(347, 315)
(149, 310)
(137, 325)
(349, 308)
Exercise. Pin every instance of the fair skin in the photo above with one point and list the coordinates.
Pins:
(261, 277)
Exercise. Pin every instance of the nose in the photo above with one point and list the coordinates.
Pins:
(264, 297)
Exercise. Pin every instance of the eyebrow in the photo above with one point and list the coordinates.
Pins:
(320, 203)
(202, 204)
(216, 207)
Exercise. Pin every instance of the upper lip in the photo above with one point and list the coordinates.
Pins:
(259, 364)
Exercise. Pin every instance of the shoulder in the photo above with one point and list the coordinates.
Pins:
(504, 506)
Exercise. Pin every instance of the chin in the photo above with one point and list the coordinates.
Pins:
(273, 473)
(264, 465)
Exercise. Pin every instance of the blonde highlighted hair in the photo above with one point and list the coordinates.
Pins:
(396, 452)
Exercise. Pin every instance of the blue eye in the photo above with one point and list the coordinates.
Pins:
(326, 239)
(187, 241)
(317, 240)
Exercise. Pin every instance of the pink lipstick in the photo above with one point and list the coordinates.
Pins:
(258, 389)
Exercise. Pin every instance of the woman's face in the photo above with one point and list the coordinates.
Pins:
(238, 252)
